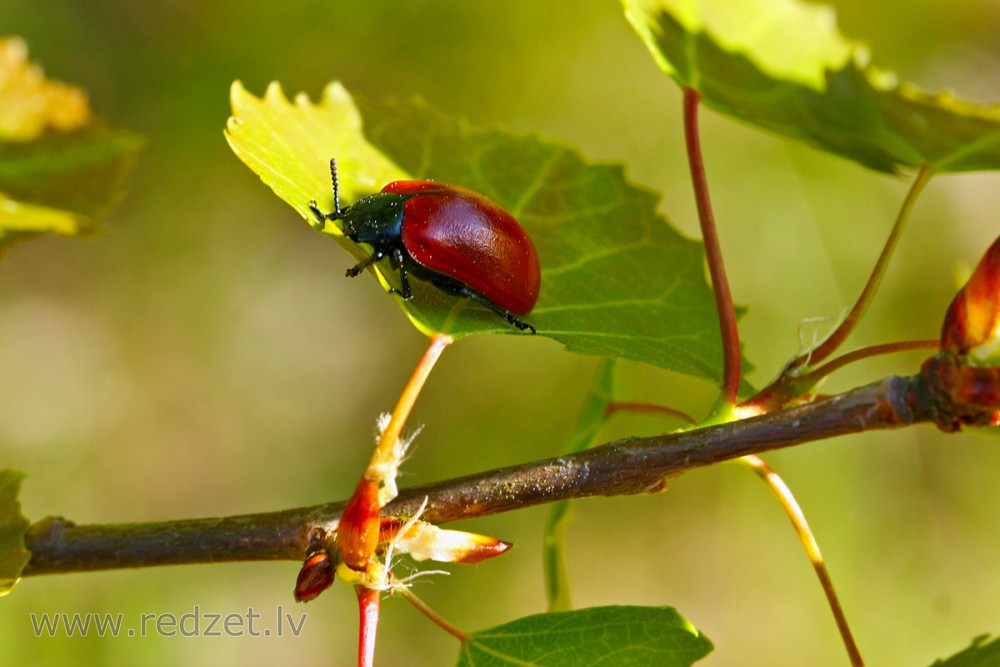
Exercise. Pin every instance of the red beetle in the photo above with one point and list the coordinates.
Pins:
(457, 239)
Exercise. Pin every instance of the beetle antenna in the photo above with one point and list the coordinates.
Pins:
(336, 187)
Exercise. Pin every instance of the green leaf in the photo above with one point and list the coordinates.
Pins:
(620, 636)
(982, 653)
(62, 183)
(13, 554)
(782, 66)
(59, 171)
(592, 417)
(617, 279)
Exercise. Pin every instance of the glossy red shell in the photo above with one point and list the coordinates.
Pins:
(463, 235)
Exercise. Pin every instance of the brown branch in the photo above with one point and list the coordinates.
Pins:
(623, 467)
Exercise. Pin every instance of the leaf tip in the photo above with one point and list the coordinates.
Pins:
(275, 93)
(335, 93)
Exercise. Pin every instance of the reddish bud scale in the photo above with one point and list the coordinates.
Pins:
(388, 529)
(978, 386)
(963, 395)
(316, 576)
(484, 551)
(424, 540)
(973, 318)
(357, 534)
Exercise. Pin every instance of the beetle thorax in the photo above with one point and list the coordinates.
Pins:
(376, 219)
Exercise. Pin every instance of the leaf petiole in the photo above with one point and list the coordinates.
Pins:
(846, 327)
(713, 251)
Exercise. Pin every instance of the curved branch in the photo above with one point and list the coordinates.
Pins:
(623, 467)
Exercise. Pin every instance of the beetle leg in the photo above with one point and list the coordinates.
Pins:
(521, 326)
(320, 216)
(358, 268)
(506, 314)
(404, 282)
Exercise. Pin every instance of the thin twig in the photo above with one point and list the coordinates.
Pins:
(650, 408)
(629, 466)
(384, 450)
(410, 597)
(815, 375)
(811, 546)
(846, 327)
(787, 388)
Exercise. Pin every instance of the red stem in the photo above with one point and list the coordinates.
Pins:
(787, 387)
(829, 367)
(368, 606)
(713, 251)
(649, 408)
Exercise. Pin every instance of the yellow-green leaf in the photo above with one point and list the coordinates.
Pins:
(289, 145)
(19, 220)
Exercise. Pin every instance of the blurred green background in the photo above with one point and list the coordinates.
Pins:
(205, 356)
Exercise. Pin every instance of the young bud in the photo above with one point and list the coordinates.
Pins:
(979, 387)
(357, 534)
(315, 577)
(423, 541)
(972, 323)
